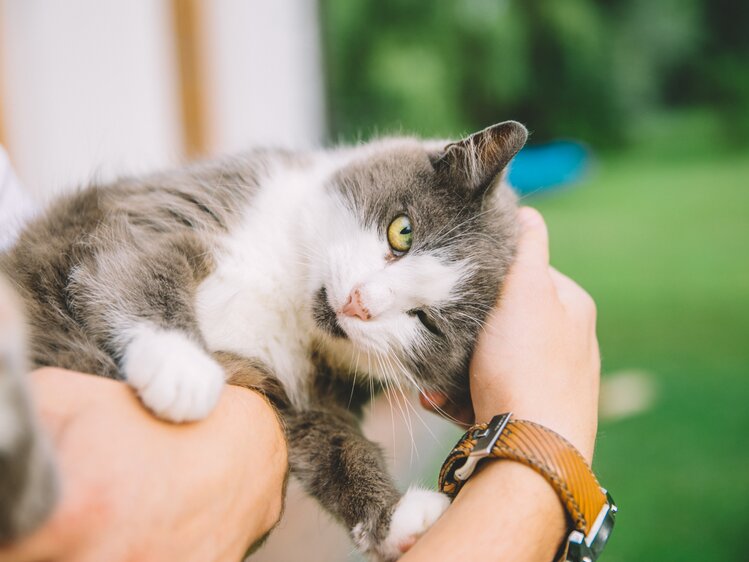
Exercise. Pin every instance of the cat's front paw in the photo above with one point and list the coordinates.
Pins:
(173, 375)
(416, 511)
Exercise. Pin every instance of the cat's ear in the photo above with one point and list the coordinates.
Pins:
(477, 160)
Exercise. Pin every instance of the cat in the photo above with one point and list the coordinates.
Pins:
(308, 276)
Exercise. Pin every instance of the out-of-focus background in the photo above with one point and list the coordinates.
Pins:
(639, 160)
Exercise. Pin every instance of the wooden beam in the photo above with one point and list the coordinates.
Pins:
(189, 43)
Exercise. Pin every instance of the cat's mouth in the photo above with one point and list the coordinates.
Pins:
(325, 316)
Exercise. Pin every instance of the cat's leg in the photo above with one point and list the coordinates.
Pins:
(172, 372)
(28, 485)
(139, 306)
(346, 473)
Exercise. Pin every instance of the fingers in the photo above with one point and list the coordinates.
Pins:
(533, 242)
(574, 298)
(438, 403)
(432, 400)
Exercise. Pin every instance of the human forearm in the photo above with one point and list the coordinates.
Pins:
(505, 512)
(135, 487)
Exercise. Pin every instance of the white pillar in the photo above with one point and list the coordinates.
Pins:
(264, 74)
(89, 89)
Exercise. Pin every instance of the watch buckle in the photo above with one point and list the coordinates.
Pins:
(587, 548)
(485, 441)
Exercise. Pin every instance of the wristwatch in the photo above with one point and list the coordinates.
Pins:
(590, 508)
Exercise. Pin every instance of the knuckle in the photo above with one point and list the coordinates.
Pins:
(588, 304)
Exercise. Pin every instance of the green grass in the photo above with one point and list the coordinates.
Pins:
(659, 235)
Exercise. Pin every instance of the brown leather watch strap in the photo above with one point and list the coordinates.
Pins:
(538, 447)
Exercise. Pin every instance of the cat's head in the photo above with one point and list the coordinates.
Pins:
(415, 253)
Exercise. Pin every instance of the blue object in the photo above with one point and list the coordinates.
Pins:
(538, 168)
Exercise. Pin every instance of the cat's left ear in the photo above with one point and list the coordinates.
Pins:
(477, 160)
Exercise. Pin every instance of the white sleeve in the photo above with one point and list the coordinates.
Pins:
(16, 206)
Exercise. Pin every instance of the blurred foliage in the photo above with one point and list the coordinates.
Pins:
(593, 70)
(658, 236)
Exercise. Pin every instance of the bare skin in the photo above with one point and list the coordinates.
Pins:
(136, 488)
(159, 491)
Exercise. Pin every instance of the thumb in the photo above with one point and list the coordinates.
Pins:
(533, 239)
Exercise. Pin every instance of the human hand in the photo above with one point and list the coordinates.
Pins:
(137, 488)
(538, 358)
(538, 354)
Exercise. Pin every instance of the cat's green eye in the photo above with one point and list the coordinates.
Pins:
(400, 234)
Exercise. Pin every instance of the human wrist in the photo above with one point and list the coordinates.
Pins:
(250, 424)
(543, 517)
(248, 408)
(591, 510)
(574, 422)
(506, 509)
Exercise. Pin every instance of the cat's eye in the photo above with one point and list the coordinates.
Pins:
(426, 320)
(400, 235)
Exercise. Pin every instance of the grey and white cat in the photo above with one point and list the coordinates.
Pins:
(306, 276)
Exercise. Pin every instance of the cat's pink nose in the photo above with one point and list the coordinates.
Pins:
(354, 306)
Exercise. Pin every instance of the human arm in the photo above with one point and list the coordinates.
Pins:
(538, 357)
(137, 488)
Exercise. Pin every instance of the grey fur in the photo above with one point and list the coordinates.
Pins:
(28, 484)
(460, 206)
(110, 256)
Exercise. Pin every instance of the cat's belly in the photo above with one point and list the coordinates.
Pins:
(239, 314)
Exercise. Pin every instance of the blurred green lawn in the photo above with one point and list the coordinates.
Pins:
(659, 235)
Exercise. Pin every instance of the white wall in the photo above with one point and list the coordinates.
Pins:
(91, 88)
(265, 78)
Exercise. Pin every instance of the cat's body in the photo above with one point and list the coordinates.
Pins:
(278, 271)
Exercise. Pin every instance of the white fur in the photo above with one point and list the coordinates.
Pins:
(361, 538)
(174, 376)
(255, 302)
(295, 237)
(416, 511)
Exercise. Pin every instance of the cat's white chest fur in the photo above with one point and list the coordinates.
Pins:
(255, 302)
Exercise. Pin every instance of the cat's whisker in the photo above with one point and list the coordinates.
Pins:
(438, 234)
(406, 414)
(406, 419)
(370, 378)
(467, 234)
(353, 384)
(387, 396)
(525, 196)
(410, 378)
(470, 318)
(466, 221)
(443, 413)
(410, 408)
(431, 402)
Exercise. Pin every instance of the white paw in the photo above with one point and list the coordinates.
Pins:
(173, 375)
(416, 511)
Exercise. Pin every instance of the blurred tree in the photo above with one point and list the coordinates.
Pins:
(719, 75)
(579, 68)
